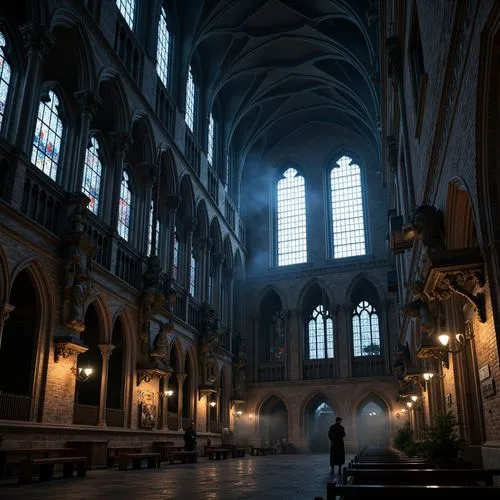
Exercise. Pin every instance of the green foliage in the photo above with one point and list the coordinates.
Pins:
(405, 442)
(442, 443)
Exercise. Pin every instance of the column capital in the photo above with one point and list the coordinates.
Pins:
(5, 311)
(87, 101)
(121, 142)
(106, 350)
(37, 38)
(181, 377)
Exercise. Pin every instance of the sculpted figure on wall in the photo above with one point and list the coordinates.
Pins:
(427, 224)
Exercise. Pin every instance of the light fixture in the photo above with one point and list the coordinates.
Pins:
(409, 404)
(250, 416)
(403, 410)
(212, 404)
(444, 338)
(82, 374)
(428, 376)
(414, 398)
(168, 393)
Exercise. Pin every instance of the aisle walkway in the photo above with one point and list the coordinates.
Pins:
(286, 477)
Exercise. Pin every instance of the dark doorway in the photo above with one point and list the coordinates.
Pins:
(114, 398)
(319, 417)
(372, 423)
(273, 422)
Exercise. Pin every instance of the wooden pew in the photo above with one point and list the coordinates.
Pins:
(218, 453)
(153, 460)
(452, 477)
(46, 467)
(390, 465)
(185, 456)
(410, 492)
(115, 452)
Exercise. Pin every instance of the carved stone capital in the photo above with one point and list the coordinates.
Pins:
(181, 377)
(172, 202)
(65, 347)
(5, 311)
(121, 142)
(189, 224)
(106, 351)
(87, 101)
(218, 258)
(37, 38)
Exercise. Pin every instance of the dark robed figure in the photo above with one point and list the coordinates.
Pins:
(190, 438)
(337, 452)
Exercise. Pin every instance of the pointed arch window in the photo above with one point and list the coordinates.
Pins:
(92, 175)
(5, 73)
(192, 274)
(320, 343)
(124, 207)
(277, 337)
(227, 170)
(127, 10)
(175, 265)
(347, 209)
(163, 49)
(150, 230)
(190, 100)
(48, 136)
(211, 139)
(365, 331)
(291, 215)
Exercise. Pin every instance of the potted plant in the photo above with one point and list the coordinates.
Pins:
(442, 445)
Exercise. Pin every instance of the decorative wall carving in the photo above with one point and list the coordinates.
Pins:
(65, 347)
(239, 370)
(427, 225)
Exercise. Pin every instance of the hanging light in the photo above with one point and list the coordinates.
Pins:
(414, 398)
(444, 338)
(428, 376)
(81, 373)
(409, 404)
(168, 393)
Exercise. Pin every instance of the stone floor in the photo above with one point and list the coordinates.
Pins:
(290, 477)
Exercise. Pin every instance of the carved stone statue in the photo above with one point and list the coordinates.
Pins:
(422, 308)
(210, 336)
(160, 344)
(428, 225)
(401, 361)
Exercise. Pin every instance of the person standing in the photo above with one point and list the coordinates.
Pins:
(190, 437)
(336, 435)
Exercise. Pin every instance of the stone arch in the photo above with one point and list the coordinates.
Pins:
(272, 413)
(191, 370)
(143, 146)
(228, 253)
(271, 288)
(114, 113)
(372, 428)
(169, 176)
(69, 20)
(177, 352)
(360, 281)
(225, 395)
(216, 236)
(239, 270)
(100, 303)
(311, 287)
(4, 277)
(314, 428)
(202, 227)
(187, 208)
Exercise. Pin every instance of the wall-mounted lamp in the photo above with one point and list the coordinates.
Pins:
(82, 374)
(460, 340)
(414, 398)
(409, 404)
(168, 393)
(212, 404)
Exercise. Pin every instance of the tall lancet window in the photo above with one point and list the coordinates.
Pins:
(291, 218)
(124, 207)
(192, 275)
(127, 10)
(211, 140)
(92, 175)
(320, 334)
(190, 100)
(175, 266)
(163, 49)
(48, 136)
(347, 209)
(277, 337)
(150, 230)
(365, 331)
(4, 79)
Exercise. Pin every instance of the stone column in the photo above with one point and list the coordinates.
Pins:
(229, 280)
(202, 245)
(172, 206)
(88, 103)
(181, 377)
(217, 282)
(38, 41)
(106, 350)
(164, 423)
(344, 340)
(5, 311)
(121, 142)
(189, 227)
(294, 346)
(256, 347)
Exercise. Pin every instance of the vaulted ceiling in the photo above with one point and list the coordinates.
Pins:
(272, 67)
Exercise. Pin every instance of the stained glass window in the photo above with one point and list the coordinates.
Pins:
(347, 209)
(211, 139)
(175, 268)
(150, 230)
(277, 337)
(4, 79)
(163, 48)
(127, 10)
(320, 334)
(291, 213)
(48, 136)
(92, 172)
(190, 100)
(192, 275)
(124, 207)
(365, 331)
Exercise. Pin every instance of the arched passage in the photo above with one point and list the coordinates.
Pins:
(18, 350)
(318, 417)
(87, 394)
(116, 378)
(273, 421)
(187, 392)
(173, 384)
(372, 422)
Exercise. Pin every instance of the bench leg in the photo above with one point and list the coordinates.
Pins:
(81, 469)
(46, 472)
(136, 463)
(68, 469)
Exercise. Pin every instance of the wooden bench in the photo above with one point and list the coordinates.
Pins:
(263, 451)
(239, 452)
(46, 468)
(164, 448)
(153, 460)
(452, 477)
(115, 452)
(185, 456)
(218, 453)
(10, 458)
(410, 492)
(390, 465)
